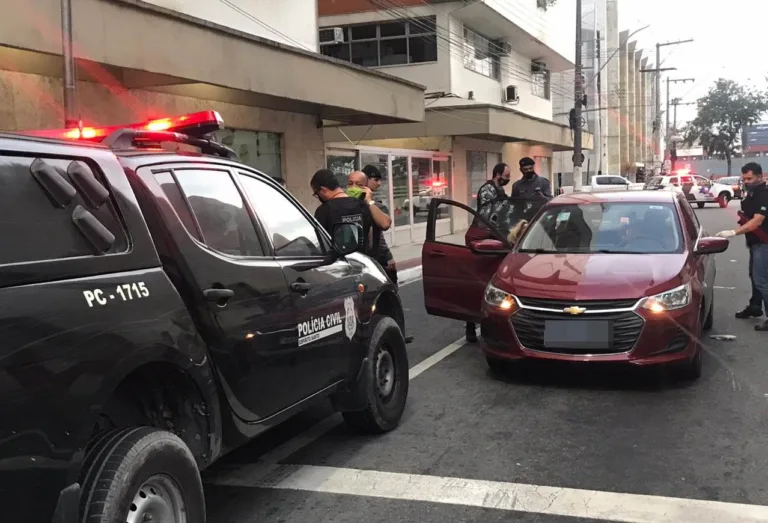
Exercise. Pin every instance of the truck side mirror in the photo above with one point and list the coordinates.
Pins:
(347, 238)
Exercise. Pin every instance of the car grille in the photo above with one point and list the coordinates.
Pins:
(588, 304)
(529, 327)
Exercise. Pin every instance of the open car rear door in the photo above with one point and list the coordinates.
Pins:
(458, 263)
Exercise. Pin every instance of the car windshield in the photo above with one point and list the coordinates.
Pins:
(622, 227)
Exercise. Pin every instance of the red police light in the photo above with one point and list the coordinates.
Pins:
(204, 122)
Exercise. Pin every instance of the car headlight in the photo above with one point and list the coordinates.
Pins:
(500, 299)
(670, 300)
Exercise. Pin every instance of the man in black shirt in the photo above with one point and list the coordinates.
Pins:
(531, 184)
(754, 208)
(338, 207)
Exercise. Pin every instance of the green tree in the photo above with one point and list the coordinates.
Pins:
(722, 115)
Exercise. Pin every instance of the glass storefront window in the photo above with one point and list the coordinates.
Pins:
(421, 176)
(480, 166)
(341, 165)
(400, 190)
(260, 150)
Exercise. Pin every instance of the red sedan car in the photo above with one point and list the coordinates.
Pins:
(609, 277)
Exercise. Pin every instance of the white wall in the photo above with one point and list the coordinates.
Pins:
(290, 22)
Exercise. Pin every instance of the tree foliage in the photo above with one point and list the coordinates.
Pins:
(722, 115)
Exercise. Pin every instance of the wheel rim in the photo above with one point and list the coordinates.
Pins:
(385, 373)
(158, 500)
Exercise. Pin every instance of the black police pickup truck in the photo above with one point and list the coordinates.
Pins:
(159, 308)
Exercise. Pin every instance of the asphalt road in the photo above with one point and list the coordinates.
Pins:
(564, 444)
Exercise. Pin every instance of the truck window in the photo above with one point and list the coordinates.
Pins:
(602, 180)
(220, 212)
(292, 234)
(39, 226)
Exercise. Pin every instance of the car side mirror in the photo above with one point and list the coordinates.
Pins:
(347, 238)
(488, 246)
(711, 245)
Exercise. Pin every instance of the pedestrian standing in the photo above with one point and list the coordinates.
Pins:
(754, 208)
(384, 256)
(489, 192)
(531, 184)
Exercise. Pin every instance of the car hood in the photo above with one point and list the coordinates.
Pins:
(589, 276)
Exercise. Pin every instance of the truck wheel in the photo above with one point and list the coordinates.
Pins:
(141, 474)
(386, 380)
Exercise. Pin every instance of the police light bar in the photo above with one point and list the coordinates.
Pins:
(195, 124)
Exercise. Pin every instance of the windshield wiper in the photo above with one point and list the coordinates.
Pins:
(610, 251)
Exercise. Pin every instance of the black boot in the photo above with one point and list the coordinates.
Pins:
(749, 312)
(470, 333)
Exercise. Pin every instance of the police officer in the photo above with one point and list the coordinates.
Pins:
(486, 195)
(531, 184)
(754, 208)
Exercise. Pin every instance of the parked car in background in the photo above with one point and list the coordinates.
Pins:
(736, 183)
(697, 189)
(605, 182)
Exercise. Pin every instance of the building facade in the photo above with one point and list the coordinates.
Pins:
(255, 64)
(487, 69)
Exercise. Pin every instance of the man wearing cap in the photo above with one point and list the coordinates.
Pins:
(531, 184)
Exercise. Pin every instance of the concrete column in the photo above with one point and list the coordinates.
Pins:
(644, 111)
(631, 109)
(639, 138)
(622, 116)
(613, 89)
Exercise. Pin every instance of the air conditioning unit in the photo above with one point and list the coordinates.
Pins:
(331, 35)
(510, 94)
(501, 47)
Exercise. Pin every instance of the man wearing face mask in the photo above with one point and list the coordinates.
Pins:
(531, 184)
(754, 207)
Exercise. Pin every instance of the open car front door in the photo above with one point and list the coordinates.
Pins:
(457, 264)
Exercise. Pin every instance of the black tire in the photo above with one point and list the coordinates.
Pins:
(700, 205)
(124, 467)
(709, 321)
(723, 199)
(691, 370)
(384, 399)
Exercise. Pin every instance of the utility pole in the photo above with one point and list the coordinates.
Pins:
(578, 155)
(70, 121)
(673, 144)
(657, 127)
(674, 81)
(657, 97)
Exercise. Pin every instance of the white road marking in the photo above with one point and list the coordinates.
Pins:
(727, 288)
(519, 497)
(295, 444)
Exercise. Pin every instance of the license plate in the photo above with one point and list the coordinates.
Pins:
(578, 334)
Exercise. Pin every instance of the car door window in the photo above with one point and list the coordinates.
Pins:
(618, 180)
(222, 218)
(691, 221)
(602, 180)
(291, 232)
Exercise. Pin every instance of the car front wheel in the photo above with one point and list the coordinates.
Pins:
(386, 380)
(141, 474)
(724, 199)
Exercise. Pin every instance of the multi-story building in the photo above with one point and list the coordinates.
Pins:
(487, 66)
(254, 61)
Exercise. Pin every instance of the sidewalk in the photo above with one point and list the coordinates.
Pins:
(408, 257)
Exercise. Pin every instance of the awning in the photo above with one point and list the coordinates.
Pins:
(481, 121)
(135, 44)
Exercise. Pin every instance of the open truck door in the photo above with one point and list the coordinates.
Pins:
(456, 268)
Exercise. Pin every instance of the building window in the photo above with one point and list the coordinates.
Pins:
(399, 42)
(540, 81)
(480, 55)
(256, 149)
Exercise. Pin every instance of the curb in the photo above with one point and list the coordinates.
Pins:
(409, 275)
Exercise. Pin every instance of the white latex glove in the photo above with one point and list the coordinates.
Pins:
(726, 234)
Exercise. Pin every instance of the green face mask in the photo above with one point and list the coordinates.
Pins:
(354, 191)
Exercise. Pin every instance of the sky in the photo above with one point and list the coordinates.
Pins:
(729, 42)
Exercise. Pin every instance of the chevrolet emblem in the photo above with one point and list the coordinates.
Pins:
(574, 310)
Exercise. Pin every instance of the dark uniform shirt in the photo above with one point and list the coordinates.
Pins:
(384, 255)
(346, 210)
(527, 188)
(756, 202)
(487, 193)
